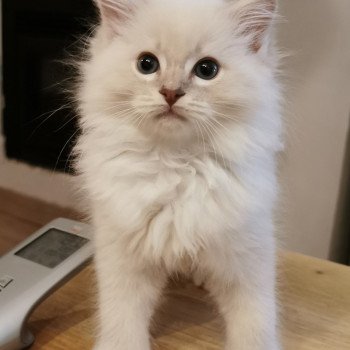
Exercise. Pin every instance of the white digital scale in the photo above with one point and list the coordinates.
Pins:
(33, 270)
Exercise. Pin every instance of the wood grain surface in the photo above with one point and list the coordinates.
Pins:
(314, 299)
(314, 311)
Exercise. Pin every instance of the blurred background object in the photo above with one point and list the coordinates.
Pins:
(39, 124)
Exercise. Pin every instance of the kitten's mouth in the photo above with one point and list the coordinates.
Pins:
(170, 114)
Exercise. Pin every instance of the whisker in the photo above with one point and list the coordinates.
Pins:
(45, 120)
(115, 105)
(197, 133)
(63, 148)
(229, 117)
(61, 82)
(142, 119)
(66, 123)
(233, 104)
(122, 112)
(66, 105)
(124, 93)
(195, 104)
(221, 125)
(68, 160)
(215, 129)
(200, 129)
(209, 133)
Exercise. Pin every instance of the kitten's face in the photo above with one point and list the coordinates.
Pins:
(176, 70)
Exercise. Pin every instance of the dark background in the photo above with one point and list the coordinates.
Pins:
(39, 38)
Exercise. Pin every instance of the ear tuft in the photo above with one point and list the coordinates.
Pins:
(114, 12)
(254, 18)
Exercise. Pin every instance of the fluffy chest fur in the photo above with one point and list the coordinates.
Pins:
(167, 205)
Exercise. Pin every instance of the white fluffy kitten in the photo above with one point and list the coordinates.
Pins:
(180, 126)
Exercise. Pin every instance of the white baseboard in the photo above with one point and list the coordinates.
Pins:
(51, 187)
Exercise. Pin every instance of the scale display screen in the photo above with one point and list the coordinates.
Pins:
(52, 247)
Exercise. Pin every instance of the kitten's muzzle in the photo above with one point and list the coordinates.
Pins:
(171, 96)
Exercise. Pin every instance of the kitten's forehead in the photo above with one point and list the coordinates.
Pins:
(179, 28)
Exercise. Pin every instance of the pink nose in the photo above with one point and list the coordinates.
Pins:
(171, 96)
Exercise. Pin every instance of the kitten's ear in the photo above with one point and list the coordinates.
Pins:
(254, 19)
(115, 12)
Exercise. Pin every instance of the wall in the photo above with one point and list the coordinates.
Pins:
(317, 112)
(42, 184)
(317, 104)
(35, 182)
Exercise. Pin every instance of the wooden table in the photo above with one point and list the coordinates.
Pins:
(314, 298)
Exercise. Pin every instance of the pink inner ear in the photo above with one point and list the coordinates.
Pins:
(114, 11)
(255, 19)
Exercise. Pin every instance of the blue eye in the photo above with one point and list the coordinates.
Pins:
(147, 63)
(206, 69)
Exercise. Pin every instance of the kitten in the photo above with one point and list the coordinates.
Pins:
(180, 126)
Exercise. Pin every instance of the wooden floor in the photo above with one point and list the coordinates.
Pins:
(20, 216)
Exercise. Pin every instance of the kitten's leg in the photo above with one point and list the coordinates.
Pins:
(128, 292)
(248, 306)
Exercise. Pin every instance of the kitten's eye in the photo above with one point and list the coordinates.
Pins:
(147, 63)
(206, 69)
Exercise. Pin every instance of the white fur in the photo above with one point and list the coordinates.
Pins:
(167, 195)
